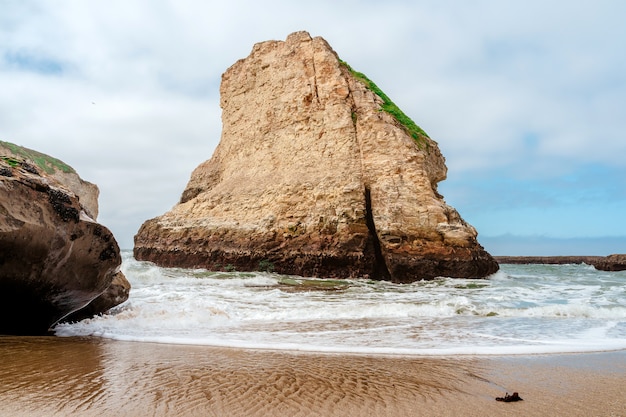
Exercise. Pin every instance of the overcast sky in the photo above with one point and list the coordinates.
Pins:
(527, 99)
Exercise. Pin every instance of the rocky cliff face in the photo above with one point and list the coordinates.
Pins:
(312, 177)
(54, 258)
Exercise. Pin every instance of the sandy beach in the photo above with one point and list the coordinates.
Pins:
(94, 377)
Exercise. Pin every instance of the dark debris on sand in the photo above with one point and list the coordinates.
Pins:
(510, 398)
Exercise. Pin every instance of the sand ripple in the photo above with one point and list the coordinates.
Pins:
(87, 377)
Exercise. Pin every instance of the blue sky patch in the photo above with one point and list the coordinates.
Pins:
(23, 61)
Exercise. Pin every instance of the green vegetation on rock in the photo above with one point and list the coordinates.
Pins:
(313, 284)
(266, 266)
(11, 161)
(43, 161)
(416, 132)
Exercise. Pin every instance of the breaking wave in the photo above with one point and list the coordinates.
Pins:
(520, 309)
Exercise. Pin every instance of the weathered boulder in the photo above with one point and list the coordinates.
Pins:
(615, 262)
(318, 174)
(54, 258)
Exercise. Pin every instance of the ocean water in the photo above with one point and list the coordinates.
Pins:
(519, 310)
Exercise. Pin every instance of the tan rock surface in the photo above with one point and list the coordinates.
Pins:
(312, 177)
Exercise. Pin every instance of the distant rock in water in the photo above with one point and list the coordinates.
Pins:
(317, 173)
(616, 262)
(548, 260)
(54, 258)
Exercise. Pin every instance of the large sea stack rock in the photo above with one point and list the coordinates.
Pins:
(314, 176)
(54, 258)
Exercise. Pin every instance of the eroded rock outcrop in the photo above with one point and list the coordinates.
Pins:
(314, 178)
(615, 262)
(54, 258)
(87, 192)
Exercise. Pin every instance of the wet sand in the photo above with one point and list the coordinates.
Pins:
(94, 377)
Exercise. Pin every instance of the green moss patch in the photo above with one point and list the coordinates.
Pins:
(11, 161)
(416, 132)
(296, 284)
(43, 161)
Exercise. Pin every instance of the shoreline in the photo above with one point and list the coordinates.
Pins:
(462, 352)
(95, 377)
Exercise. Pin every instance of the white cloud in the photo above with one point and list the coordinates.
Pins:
(526, 89)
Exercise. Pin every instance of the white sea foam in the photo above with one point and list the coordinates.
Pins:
(521, 309)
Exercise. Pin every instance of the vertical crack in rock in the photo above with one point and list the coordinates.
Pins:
(316, 93)
(380, 265)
